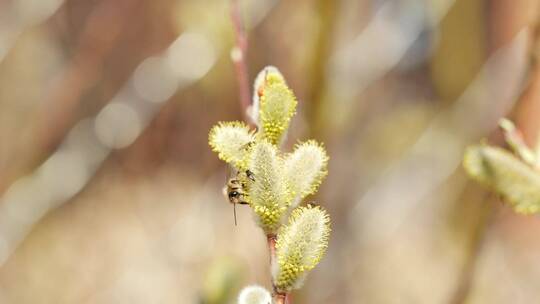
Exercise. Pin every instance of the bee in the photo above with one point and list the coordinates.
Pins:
(235, 189)
(313, 204)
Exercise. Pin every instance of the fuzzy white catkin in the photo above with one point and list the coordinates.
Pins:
(305, 169)
(268, 192)
(254, 294)
(259, 82)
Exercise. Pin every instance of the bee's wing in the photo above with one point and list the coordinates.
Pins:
(231, 172)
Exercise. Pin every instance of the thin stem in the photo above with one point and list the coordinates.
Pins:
(279, 297)
(238, 56)
(271, 239)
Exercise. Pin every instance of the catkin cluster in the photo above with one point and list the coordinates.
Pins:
(513, 176)
(278, 181)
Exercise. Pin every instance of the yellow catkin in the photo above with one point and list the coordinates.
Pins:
(305, 168)
(268, 194)
(505, 174)
(277, 106)
(300, 245)
(231, 140)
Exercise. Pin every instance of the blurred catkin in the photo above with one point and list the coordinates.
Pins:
(505, 174)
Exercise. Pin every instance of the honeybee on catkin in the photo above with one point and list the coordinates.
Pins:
(235, 189)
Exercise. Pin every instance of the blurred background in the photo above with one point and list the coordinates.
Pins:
(109, 192)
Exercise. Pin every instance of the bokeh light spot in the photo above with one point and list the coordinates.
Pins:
(191, 56)
(117, 125)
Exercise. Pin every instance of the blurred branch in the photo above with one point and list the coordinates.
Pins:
(99, 35)
(507, 19)
(238, 56)
(376, 50)
(74, 163)
(327, 11)
(13, 23)
(453, 128)
(529, 104)
(477, 241)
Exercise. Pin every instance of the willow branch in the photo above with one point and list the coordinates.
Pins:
(279, 298)
(282, 298)
(508, 18)
(238, 56)
(62, 102)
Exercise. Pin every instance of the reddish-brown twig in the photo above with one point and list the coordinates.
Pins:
(282, 298)
(279, 298)
(238, 56)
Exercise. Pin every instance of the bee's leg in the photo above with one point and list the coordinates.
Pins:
(234, 212)
(250, 175)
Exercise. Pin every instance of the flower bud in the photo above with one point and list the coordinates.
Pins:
(514, 138)
(254, 294)
(503, 173)
(231, 141)
(275, 103)
(305, 169)
(267, 193)
(300, 245)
